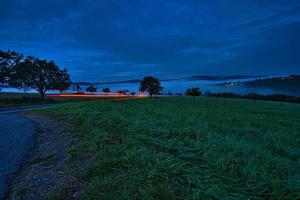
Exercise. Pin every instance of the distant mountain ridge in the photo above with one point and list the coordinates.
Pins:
(289, 83)
(216, 78)
(292, 82)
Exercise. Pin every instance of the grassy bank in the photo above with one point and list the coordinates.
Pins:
(20, 99)
(170, 148)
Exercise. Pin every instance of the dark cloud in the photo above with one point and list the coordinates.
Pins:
(115, 40)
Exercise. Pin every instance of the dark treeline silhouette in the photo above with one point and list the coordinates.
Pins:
(255, 96)
(171, 94)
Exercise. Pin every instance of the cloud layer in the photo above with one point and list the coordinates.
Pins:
(117, 40)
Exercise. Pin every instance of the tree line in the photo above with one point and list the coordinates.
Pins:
(255, 96)
(149, 84)
(24, 72)
(19, 71)
(91, 89)
(194, 92)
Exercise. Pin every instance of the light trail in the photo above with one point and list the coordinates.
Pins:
(104, 95)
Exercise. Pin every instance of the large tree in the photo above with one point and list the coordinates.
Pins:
(8, 60)
(151, 85)
(41, 75)
(63, 81)
(194, 92)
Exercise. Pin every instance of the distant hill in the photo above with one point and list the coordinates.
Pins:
(218, 78)
(290, 83)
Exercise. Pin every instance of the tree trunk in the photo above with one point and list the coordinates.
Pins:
(42, 93)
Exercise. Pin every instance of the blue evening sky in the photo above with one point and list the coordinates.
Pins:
(107, 40)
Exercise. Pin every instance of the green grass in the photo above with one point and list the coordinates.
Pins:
(20, 99)
(170, 148)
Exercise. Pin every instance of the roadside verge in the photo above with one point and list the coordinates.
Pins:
(48, 172)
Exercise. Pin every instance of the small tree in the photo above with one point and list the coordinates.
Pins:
(194, 92)
(8, 60)
(41, 75)
(78, 89)
(91, 89)
(123, 91)
(151, 85)
(106, 90)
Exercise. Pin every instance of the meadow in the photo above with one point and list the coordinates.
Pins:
(172, 148)
(19, 99)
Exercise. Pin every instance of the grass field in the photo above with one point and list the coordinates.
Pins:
(170, 148)
(19, 99)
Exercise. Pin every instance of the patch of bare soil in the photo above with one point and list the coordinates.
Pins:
(48, 173)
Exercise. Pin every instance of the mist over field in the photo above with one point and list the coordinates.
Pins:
(180, 85)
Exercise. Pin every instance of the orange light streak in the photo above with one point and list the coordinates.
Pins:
(104, 95)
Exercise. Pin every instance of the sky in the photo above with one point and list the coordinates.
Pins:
(110, 40)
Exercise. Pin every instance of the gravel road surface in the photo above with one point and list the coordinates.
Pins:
(16, 134)
(16, 138)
